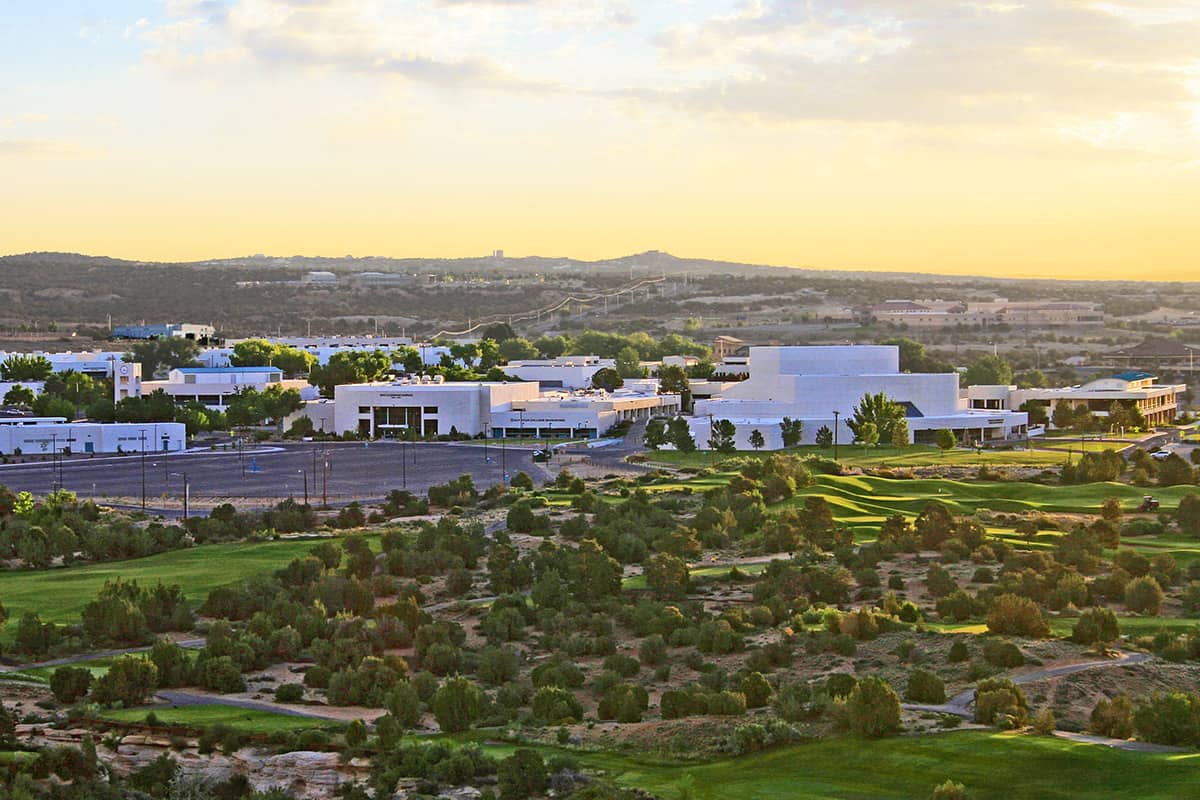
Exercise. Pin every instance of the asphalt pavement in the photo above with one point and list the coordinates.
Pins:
(334, 471)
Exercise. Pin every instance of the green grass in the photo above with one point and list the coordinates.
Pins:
(16, 756)
(913, 456)
(993, 766)
(719, 572)
(59, 595)
(242, 719)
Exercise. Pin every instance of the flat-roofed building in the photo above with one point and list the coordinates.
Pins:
(50, 435)
(213, 386)
(1158, 403)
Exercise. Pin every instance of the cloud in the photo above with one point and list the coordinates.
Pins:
(40, 148)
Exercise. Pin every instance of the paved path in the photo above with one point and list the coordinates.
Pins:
(191, 644)
(1120, 744)
(185, 699)
(960, 704)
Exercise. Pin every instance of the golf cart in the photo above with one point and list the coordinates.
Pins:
(1148, 504)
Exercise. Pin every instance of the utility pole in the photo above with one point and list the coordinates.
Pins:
(325, 481)
(142, 442)
(304, 472)
(187, 492)
(836, 415)
(403, 464)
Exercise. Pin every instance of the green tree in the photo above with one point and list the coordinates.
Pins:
(873, 708)
(925, 687)
(1064, 415)
(1144, 596)
(945, 439)
(756, 439)
(358, 366)
(824, 437)
(607, 379)
(19, 396)
(722, 437)
(667, 575)
(1175, 471)
(165, 354)
(913, 357)
(404, 704)
(988, 370)
(1113, 718)
(878, 410)
(757, 690)
(21, 367)
(1096, 626)
(1187, 516)
(900, 433)
(656, 433)
(681, 435)
(792, 431)
(673, 379)
(999, 701)
(70, 683)
(1013, 615)
(629, 363)
(522, 775)
(867, 434)
(129, 681)
(457, 704)
(1036, 409)
(552, 346)
(517, 349)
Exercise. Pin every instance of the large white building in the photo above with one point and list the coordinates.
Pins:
(564, 372)
(436, 408)
(214, 386)
(1159, 403)
(48, 435)
(811, 383)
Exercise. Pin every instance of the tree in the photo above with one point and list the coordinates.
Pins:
(70, 683)
(350, 366)
(1172, 719)
(19, 396)
(129, 681)
(681, 435)
(722, 437)
(945, 439)
(21, 367)
(607, 379)
(656, 433)
(925, 687)
(792, 431)
(1036, 409)
(824, 437)
(1144, 596)
(673, 379)
(404, 704)
(1113, 718)
(1096, 626)
(1013, 615)
(1063, 415)
(166, 354)
(456, 704)
(913, 357)
(878, 410)
(667, 575)
(522, 775)
(516, 349)
(356, 734)
(629, 363)
(756, 439)
(867, 434)
(900, 433)
(552, 346)
(1175, 471)
(873, 708)
(988, 370)
(999, 701)
(757, 690)
(1187, 516)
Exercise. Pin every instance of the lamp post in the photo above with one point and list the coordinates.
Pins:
(142, 443)
(304, 472)
(54, 460)
(711, 438)
(836, 415)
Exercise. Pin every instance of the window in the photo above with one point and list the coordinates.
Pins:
(431, 409)
(364, 409)
(189, 378)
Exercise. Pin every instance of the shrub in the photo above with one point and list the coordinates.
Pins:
(1113, 718)
(1044, 723)
(552, 704)
(873, 708)
(522, 775)
(70, 683)
(289, 693)
(653, 649)
(1002, 653)
(999, 701)
(1096, 626)
(1172, 719)
(1013, 615)
(457, 704)
(129, 680)
(925, 687)
(958, 652)
(949, 790)
(1143, 596)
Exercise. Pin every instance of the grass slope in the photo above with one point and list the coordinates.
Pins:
(242, 719)
(59, 595)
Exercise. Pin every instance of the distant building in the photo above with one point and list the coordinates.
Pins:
(1159, 403)
(214, 386)
(198, 333)
(811, 383)
(564, 372)
(320, 277)
(1157, 353)
(956, 313)
(48, 435)
(725, 346)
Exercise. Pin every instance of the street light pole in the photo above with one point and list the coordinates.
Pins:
(142, 442)
(836, 415)
(305, 473)
(187, 491)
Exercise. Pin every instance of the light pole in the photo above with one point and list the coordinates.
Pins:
(712, 436)
(304, 472)
(54, 460)
(836, 415)
(142, 442)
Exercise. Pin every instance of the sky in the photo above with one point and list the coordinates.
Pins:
(1048, 138)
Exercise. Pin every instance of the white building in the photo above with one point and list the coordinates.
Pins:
(46, 435)
(95, 363)
(1159, 403)
(213, 386)
(564, 372)
(811, 383)
(435, 408)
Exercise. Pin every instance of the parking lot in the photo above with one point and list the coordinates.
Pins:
(337, 471)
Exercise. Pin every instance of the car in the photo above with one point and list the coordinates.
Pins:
(1161, 455)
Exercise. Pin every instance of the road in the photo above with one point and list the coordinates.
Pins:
(184, 699)
(191, 644)
(339, 471)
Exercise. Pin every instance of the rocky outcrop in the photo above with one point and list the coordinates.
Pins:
(303, 774)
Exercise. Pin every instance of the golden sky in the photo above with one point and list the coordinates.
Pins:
(1054, 138)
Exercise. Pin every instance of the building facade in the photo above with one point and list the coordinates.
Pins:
(49, 435)
(214, 386)
(1158, 403)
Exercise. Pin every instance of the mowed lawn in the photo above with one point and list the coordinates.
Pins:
(242, 719)
(992, 766)
(59, 595)
(912, 456)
